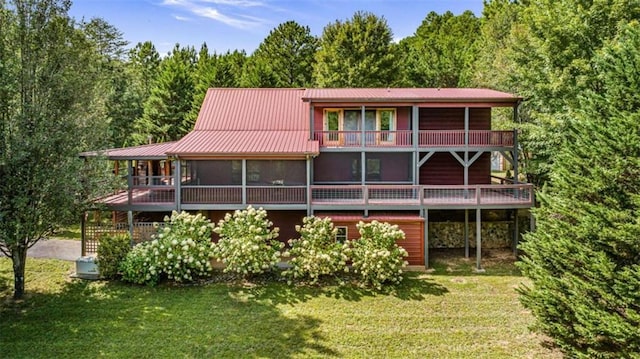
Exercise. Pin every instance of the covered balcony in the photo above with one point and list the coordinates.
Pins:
(425, 139)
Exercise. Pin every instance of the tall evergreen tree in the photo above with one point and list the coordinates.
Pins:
(442, 51)
(357, 53)
(229, 68)
(289, 52)
(549, 64)
(584, 257)
(165, 116)
(48, 114)
(203, 78)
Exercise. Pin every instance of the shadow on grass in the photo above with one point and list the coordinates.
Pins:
(494, 262)
(414, 286)
(90, 319)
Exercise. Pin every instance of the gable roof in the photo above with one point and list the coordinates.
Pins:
(413, 95)
(250, 121)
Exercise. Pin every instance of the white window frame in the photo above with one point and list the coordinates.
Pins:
(342, 237)
(380, 137)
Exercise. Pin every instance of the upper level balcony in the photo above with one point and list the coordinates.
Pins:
(426, 139)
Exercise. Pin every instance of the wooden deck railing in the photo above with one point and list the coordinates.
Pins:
(333, 195)
(381, 195)
(404, 138)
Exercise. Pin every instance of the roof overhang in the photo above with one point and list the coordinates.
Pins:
(154, 151)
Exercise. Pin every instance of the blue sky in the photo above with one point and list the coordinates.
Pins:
(243, 24)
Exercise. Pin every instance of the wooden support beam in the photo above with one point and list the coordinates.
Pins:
(479, 240)
(178, 184)
(516, 232)
(455, 155)
(426, 238)
(425, 158)
(466, 233)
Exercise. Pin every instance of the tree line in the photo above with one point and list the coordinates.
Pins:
(70, 85)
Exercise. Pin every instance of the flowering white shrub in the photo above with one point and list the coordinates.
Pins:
(181, 250)
(247, 243)
(375, 256)
(135, 267)
(316, 252)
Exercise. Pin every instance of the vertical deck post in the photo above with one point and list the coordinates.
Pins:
(516, 232)
(426, 238)
(244, 182)
(129, 181)
(178, 184)
(415, 127)
(363, 139)
(130, 221)
(83, 233)
(308, 194)
(479, 240)
(466, 146)
(466, 233)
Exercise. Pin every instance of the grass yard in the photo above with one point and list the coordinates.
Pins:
(449, 313)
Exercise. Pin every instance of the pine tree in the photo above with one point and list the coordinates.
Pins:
(165, 116)
(289, 52)
(357, 53)
(584, 257)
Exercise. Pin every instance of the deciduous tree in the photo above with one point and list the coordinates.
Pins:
(48, 115)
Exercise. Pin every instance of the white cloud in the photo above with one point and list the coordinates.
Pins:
(203, 8)
(181, 18)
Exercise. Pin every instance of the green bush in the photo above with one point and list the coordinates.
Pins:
(136, 267)
(247, 243)
(180, 251)
(316, 253)
(112, 251)
(375, 256)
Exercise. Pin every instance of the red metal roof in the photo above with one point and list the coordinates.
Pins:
(259, 143)
(145, 152)
(261, 122)
(408, 95)
(239, 109)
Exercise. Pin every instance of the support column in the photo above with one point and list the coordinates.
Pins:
(130, 221)
(466, 233)
(309, 211)
(516, 232)
(363, 138)
(515, 156)
(178, 184)
(479, 240)
(83, 233)
(426, 238)
(363, 167)
(129, 181)
(466, 146)
(244, 182)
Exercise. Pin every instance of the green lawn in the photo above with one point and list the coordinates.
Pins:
(450, 313)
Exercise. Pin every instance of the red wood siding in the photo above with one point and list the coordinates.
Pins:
(453, 119)
(443, 169)
(480, 170)
(413, 229)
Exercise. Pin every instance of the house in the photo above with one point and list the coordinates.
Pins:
(397, 155)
